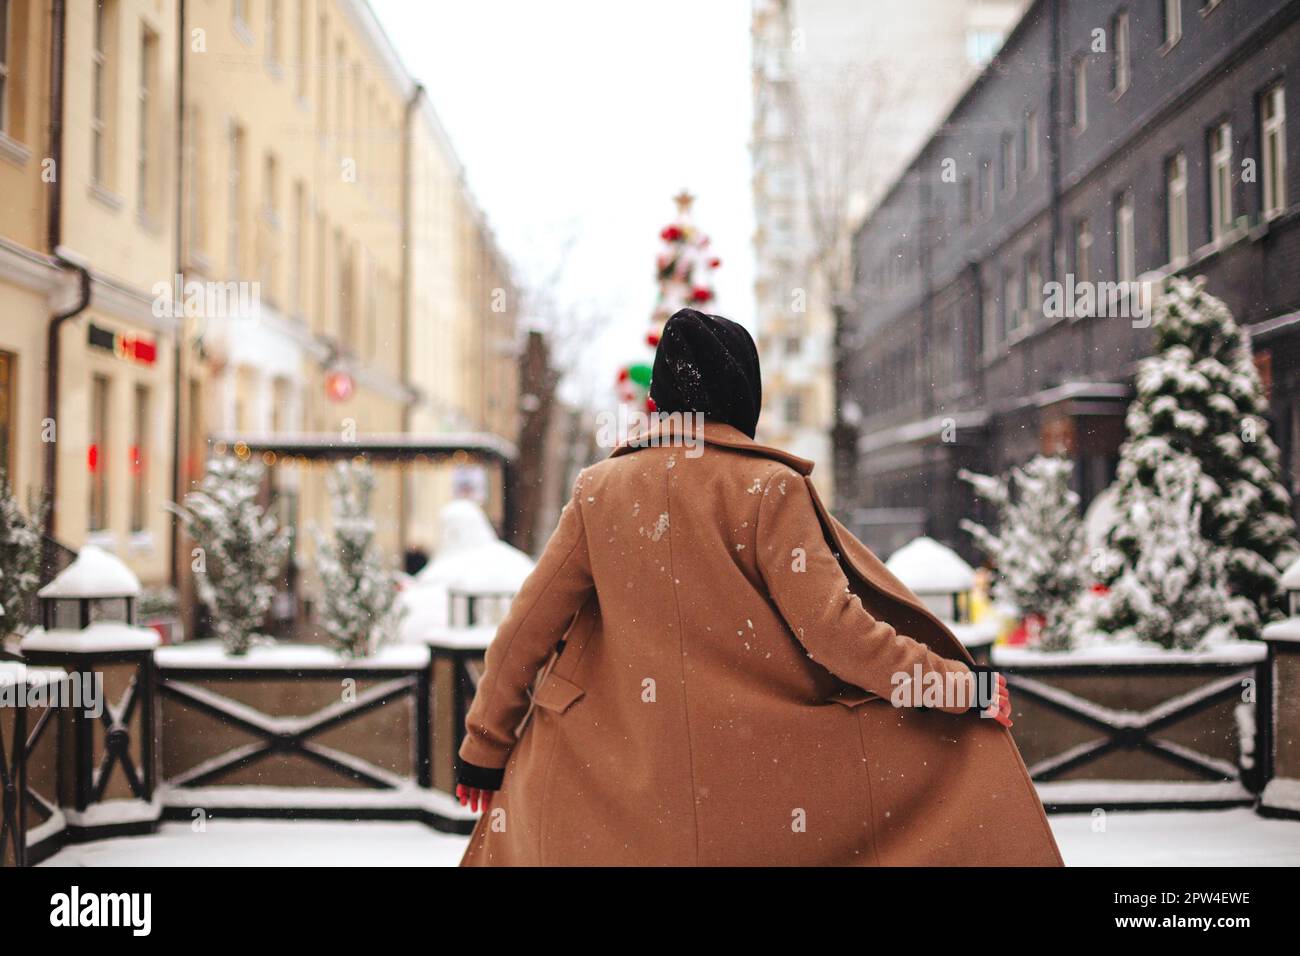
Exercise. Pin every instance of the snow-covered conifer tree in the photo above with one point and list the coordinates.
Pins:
(358, 607)
(1199, 394)
(1175, 593)
(1038, 548)
(20, 561)
(242, 549)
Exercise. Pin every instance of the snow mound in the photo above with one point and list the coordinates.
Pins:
(94, 574)
(469, 559)
(469, 556)
(928, 567)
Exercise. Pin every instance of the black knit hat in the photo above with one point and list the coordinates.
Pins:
(708, 364)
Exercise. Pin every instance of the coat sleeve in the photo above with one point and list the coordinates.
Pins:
(808, 586)
(539, 615)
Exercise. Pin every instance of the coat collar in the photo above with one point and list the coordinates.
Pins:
(663, 430)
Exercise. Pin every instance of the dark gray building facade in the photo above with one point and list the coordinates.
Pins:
(1109, 142)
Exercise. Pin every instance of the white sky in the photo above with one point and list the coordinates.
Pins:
(584, 118)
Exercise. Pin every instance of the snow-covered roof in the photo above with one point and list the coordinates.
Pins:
(94, 574)
(928, 567)
(1291, 577)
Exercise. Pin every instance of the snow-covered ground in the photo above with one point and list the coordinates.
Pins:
(1162, 838)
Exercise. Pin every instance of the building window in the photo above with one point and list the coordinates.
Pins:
(1173, 16)
(269, 229)
(145, 149)
(1007, 170)
(1080, 93)
(793, 409)
(341, 93)
(1176, 206)
(7, 362)
(346, 284)
(4, 64)
(298, 246)
(97, 453)
(986, 188)
(1220, 148)
(1273, 133)
(322, 91)
(301, 65)
(1029, 144)
(967, 200)
(140, 459)
(1125, 255)
(1033, 296)
(1012, 316)
(102, 94)
(197, 192)
(235, 200)
(1082, 250)
(1120, 67)
(274, 33)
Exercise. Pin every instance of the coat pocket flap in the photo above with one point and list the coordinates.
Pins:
(556, 693)
(852, 696)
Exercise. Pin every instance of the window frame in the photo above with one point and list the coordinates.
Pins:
(1079, 94)
(146, 133)
(1219, 160)
(1171, 12)
(6, 32)
(142, 398)
(1121, 53)
(1272, 130)
(98, 511)
(101, 96)
(1176, 199)
(1125, 228)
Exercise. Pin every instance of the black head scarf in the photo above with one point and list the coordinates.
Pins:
(708, 364)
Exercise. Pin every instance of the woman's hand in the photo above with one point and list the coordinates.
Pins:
(473, 797)
(1000, 710)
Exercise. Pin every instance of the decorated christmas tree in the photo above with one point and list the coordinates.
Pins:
(684, 272)
(358, 591)
(1175, 592)
(1038, 549)
(240, 552)
(20, 561)
(1200, 395)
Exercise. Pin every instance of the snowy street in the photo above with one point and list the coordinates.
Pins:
(1159, 838)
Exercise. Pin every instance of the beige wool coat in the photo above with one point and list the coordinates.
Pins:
(722, 692)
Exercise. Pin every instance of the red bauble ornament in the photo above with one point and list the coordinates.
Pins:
(714, 262)
(701, 295)
(622, 375)
(650, 405)
(670, 234)
(652, 339)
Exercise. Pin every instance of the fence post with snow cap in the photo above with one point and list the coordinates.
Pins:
(107, 732)
(1281, 795)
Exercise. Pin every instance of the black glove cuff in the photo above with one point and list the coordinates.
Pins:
(986, 688)
(480, 778)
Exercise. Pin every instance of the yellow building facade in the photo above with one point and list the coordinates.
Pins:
(89, 225)
(277, 240)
